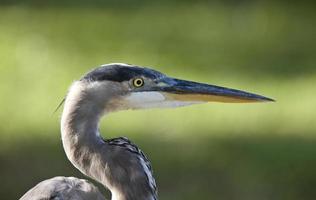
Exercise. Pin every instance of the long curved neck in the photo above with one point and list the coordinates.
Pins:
(80, 118)
(79, 129)
(82, 142)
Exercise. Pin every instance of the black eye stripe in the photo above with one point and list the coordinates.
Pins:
(120, 73)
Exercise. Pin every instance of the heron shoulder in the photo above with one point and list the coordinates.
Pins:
(63, 188)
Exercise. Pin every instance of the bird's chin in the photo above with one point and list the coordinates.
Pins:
(153, 99)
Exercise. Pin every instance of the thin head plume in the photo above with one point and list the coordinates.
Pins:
(59, 105)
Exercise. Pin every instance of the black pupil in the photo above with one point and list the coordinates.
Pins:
(139, 82)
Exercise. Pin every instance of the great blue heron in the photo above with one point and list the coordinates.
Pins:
(118, 163)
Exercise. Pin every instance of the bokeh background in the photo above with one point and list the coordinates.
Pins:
(212, 151)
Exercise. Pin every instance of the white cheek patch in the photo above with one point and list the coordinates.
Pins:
(143, 100)
(143, 97)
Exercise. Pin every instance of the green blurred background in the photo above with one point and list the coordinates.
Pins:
(212, 151)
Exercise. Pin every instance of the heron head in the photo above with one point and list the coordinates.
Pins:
(124, 86)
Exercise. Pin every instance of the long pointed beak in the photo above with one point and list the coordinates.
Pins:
(182, 90)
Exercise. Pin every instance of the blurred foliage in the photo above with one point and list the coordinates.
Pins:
(214, 151)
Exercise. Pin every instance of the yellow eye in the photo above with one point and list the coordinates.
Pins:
(138, 82)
